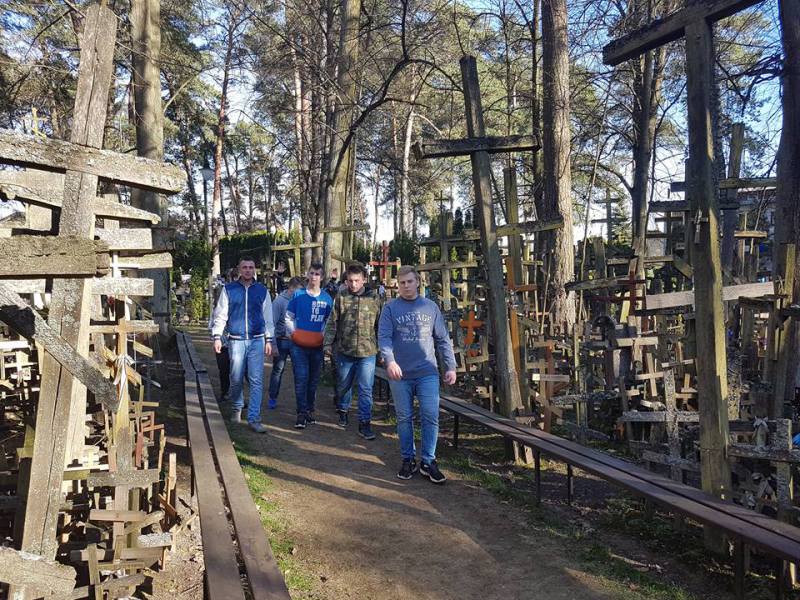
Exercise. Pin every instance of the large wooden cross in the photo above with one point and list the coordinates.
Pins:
(694, 22)
(478, 146)
(62, 398)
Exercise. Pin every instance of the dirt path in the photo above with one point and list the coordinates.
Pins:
(362, 533)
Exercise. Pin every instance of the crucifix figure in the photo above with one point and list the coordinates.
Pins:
(478, 146)
(694, 23)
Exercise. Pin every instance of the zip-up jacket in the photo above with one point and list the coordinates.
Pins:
(247, 312)
(279, 313)
(352, 326)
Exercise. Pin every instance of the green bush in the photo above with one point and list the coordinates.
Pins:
(198, 300)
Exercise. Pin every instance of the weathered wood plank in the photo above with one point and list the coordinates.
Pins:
(461, 147)
(123, 286)
(126, 239)
(135, 478)
(35, 574)
(729, 293)
(52, 256)
(24, 320)
(670, 28)
(46, 188)
(529, 227)
(139, 326)
(303, 246)
(157, 260)
(117, 286)
(128, 516)
(35, 152)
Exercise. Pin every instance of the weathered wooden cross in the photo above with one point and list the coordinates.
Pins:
(65, 337)
(694, 22)
(478, 146)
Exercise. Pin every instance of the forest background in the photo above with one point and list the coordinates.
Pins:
(277, 110)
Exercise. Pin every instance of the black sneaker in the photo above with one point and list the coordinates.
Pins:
(365, 430)
(343, 420)
(310, 419)
(301, 421)
(432, 472)
(408, 468)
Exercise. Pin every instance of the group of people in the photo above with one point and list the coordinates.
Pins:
(352, 324)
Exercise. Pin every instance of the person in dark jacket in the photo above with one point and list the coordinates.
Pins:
(245, 308)
(351, 333)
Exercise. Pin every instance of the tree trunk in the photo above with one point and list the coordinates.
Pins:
(787, 219)
(406, 216)
(536, 110)
(233, 192)
(556, 150)
(340, 157)
(146, 45)
(216, 204)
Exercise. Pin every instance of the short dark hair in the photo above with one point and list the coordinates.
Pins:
(356, 268)
(246, 258)
(296, 282)
(317, 266)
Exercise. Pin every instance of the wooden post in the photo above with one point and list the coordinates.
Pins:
(62, 398)
(445, 230)
(712, 368)
(507, 379)
(730, 216)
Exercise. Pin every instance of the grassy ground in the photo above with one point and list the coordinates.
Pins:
(259, 483)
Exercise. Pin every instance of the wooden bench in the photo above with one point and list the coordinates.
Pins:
(209, 440)
(743, 526)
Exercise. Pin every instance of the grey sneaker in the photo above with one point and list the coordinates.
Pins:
(258, 427)
(343, 420)
(236, 416)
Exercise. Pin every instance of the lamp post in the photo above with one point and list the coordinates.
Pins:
(208, 175)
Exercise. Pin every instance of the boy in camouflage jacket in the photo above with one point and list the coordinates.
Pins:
(351, 333)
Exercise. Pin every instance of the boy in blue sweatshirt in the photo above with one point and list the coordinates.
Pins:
(410, 332)
(306, 314)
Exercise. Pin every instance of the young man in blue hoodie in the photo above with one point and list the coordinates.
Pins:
(306, 314)
(245, 307)
(410, 332)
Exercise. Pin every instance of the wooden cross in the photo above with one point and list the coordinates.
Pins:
(384, 262)
(470, 324)
(694, 23)
(297, 263)
(81, 161)
(478, 146)
(609, 220)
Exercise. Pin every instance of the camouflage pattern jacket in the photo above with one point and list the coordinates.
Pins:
(352, 326)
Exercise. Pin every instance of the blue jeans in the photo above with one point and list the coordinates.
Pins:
(249, 355)
(279, 358)
(355, 371)
(307, 366)
(426, 389)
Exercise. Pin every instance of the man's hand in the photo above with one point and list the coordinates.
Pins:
(328, 351)
(450, 377)
(218, 346)
(394, 371)
(268, 349)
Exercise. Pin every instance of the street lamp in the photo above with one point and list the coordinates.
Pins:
(208, 175)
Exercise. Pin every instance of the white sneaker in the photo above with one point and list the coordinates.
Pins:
(258, 427)
(236, 416)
